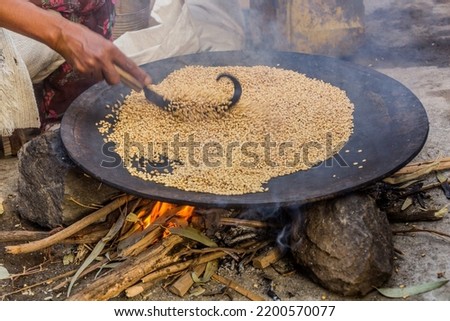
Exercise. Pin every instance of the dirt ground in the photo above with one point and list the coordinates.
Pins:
(407, 40)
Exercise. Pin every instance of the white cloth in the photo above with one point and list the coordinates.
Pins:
(40, 60)
(186, 26)
(18, 108)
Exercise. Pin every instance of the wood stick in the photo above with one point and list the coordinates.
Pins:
(444, 164)
(127, 273)
(143, 239)
(175, 268)
(156, 232)
(416, 215)
(89, 238)
(130, 228)
(423, 189)
(422, 171)
(247, 223)
(264, 260)
(415, 230)
(71, 230)
(147, 281)
(182, 285)
(239, 289)
(22, 236)
(48, 281)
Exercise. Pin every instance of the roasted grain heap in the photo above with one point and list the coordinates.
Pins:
(284, 122)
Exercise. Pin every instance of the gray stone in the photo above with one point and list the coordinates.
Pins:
(344, 244)
(52, 191)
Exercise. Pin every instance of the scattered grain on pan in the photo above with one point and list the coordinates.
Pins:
(284, 122)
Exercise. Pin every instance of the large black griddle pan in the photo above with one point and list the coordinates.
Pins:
(391, 127)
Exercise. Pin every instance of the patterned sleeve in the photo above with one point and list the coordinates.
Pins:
(79, 7)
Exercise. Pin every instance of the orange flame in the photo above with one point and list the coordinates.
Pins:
(159, 209)
(181, 219)
(149, 213)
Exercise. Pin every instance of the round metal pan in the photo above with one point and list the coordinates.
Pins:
(390, 128)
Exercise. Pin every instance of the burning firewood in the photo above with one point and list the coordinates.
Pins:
(152, 231)
(128, 273)
(149, 241)
(71, 230)
(148, 280)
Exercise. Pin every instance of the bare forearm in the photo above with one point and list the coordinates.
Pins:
(26, 18)
(85, 50)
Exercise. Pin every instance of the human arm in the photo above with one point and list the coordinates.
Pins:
(84, 49)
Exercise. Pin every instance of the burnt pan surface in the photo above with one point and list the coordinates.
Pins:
(391, 127)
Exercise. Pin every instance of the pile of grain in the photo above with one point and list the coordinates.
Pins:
(210, 98)
(285, 122)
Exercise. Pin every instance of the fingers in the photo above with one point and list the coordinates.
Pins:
(118, 58)
(111, 76)
(96, 57)
(134, 70)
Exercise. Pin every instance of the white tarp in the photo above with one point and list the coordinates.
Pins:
(185, 27)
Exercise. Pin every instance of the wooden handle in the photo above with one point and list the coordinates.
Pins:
(129, 80)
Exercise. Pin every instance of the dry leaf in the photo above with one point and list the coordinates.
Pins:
(193, 234)
(97, 250)
(4, 274)
(197, 291)
(411, 290)
(82, 252)
(408, 184)
(442, 212)
(407, 203)
(133, 218)
(68, 259)
(210, 270)
(441, 178)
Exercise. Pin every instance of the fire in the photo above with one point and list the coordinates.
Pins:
(165, 214)
(158, 210)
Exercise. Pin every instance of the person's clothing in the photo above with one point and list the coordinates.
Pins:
(61, 88)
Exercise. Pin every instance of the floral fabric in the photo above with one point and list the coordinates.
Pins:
(61, 88)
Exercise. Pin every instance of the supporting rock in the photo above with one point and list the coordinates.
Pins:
(344, 244)
(52, 191)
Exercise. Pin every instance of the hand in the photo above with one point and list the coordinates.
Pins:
(85, 50)
(91, 54)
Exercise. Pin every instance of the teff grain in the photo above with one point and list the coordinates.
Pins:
(284, 122)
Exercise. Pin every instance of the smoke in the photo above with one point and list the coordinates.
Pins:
(334, 28)
(286, 219)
